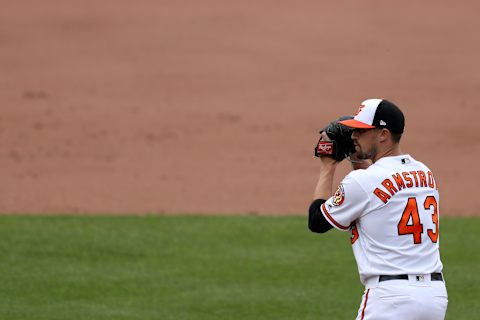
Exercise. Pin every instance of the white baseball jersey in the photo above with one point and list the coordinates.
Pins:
(392, 211)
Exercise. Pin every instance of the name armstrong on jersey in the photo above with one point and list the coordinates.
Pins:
(403, 180)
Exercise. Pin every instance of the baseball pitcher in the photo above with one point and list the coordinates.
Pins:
(390, 204)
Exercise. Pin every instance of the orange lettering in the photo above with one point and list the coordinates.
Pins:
(423, 178)
(408, 179)
(381, 195)
(431, 181)
(414, 174)
(389, 186)
(416, 227)
(399, 181)
(429, 202)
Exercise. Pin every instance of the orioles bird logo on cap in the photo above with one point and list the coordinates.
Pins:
(360, 109)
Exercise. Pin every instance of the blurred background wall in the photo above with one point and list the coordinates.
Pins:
(214, 106)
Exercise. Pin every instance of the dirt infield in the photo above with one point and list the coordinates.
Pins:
(214, 106)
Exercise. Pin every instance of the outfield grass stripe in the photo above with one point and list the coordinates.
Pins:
(197, 267)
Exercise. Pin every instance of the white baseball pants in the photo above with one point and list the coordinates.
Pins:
(417, 298)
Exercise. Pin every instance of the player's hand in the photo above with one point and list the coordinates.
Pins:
(326, 163)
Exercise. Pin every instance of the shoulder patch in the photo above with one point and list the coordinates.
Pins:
(339, 196)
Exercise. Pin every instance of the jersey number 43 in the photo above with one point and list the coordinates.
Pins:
(410, 222)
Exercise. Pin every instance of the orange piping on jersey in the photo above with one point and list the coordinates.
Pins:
(399, 181)
(408, 179)
(365, 305)
(324, 209)
(382, 195)
(423, 178)
(389, 186)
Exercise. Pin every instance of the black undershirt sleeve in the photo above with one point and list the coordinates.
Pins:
(316, 221)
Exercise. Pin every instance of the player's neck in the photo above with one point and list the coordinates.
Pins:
(390, 151)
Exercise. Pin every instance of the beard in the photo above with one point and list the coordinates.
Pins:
(365, 155)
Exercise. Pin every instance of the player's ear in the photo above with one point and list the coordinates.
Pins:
(384, 135)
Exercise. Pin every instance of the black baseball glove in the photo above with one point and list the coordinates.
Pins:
(340, 145)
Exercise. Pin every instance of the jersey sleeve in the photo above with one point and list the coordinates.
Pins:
(346, 205)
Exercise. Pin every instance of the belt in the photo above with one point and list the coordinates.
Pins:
(437, 276)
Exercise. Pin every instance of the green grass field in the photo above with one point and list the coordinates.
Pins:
(185, 267)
